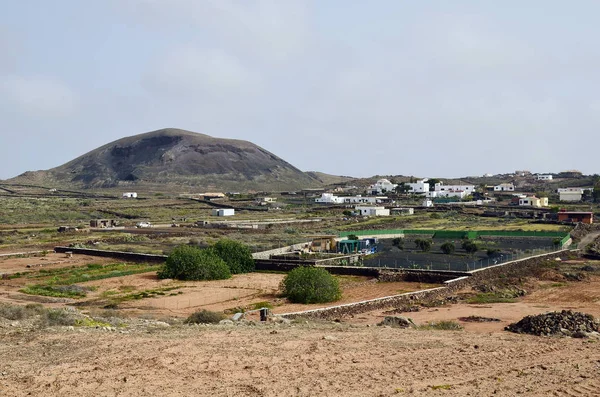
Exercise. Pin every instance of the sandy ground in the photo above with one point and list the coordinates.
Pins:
(351, 358)
(295, 360)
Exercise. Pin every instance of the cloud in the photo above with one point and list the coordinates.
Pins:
(206, 73)
(38, 96)
(273, 31)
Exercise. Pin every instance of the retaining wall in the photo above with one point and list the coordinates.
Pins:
(129, 256)
(518, 268)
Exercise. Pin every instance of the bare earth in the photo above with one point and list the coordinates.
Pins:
(352, 358)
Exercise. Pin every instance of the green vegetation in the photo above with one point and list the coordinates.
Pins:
(352, 237)
(491, 297)
(469, 246)
(398, 243)
(205, 317)
(444, 325)
(57, 292)
(90, 272)
(448, 248)
(423, 244)
(441, 387)
(149, 293)
(311, 285)
(261, 305)
(190, 263)
(236, 255)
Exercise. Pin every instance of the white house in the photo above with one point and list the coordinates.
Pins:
(421, 186)
(504, 187)
(447, 193)
(571, 193)
(533, 201)
(372, 211)
(382, 186)
(223, 212)
(329, 198)
(544, 177)
(427, 203)
(440, 187)
(130, 195)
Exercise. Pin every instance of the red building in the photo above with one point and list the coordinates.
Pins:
(576, 217)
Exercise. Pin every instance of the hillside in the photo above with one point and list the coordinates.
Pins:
(173, 157)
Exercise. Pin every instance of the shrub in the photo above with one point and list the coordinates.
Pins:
(398, 242)
(58, 317)
(448, 248)
(311, 285)
(435, 215)
(205, 317)
(443, 325)
(12, 312)
(469, 246)
(423, 244)
(352, 237)
(236, 255)
(190, 263)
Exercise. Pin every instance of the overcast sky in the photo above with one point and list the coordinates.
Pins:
(426, 88)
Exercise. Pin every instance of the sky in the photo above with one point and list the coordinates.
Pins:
(346, 87)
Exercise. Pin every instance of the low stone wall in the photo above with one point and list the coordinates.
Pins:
(518, 268)
(129, 256)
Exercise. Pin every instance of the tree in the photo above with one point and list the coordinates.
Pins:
(448, 248)
(311, 285)
(432, 182)
(352, 237)
(402, 188)
(469, 246)
(191, 263)
(398, 242)
(236, 255)
(423, 244)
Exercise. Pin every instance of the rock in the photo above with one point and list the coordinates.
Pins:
(237, 316)
(280, 320)
(226, 322)
(397, 322)
(565, 322)
(329, 337)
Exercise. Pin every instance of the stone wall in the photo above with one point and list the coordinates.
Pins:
(519, 268)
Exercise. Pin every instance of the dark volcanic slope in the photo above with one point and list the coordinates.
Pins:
(177, 157)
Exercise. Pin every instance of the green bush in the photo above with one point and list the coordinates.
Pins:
(236, 255)
(205, 317)
(190, 263)
(398, 242)
(423, 244)
(352, 237)
(311, 285)
(443, 325)
(469, 246)
(448, 248)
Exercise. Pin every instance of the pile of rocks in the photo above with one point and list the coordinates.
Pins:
(566, 322)
(397, 322)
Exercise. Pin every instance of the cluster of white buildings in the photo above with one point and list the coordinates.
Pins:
(458, 191)
(330, 198)
(382, 186)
